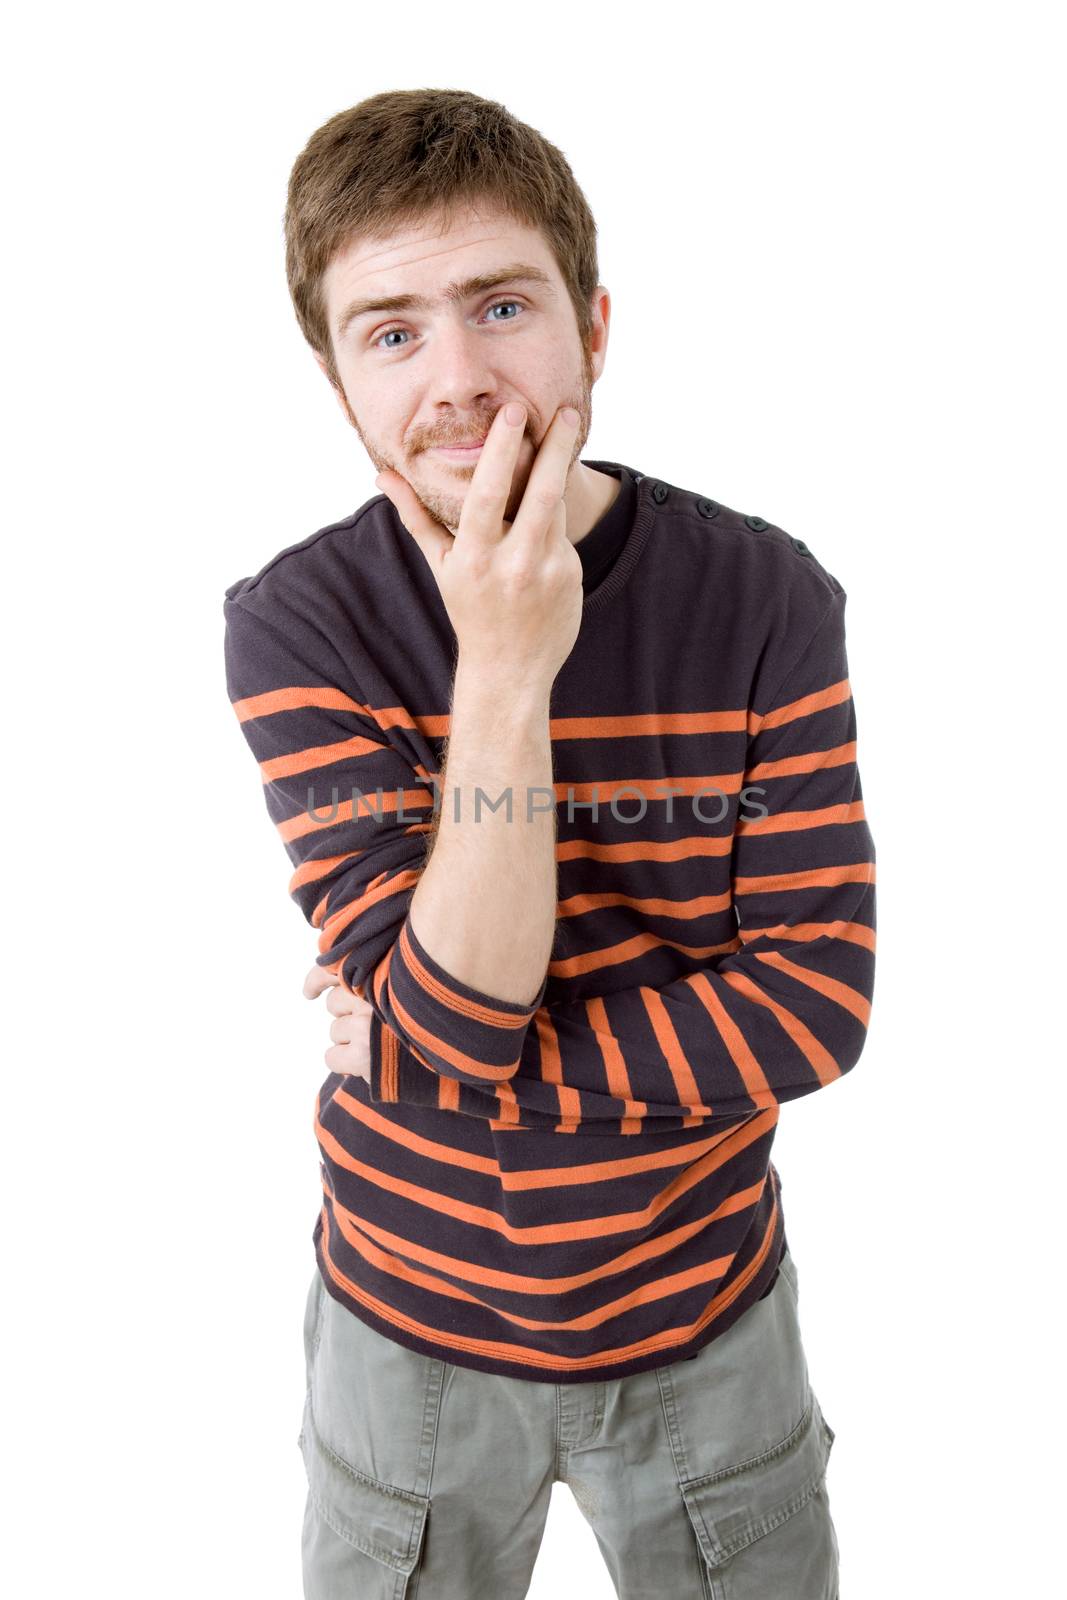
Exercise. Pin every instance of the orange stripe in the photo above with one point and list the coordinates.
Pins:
(644, 850)
(822, 1062)
(604, 790)
(813, 761)
(832, 988)
(809, 878)
(647, 726)
(629, 950)
(379, 889)
(552, 1071)
(806, 706)
(615, 1069)
(276, 700)
(699, 906)
(438, 725)
(309, 871)
(447, 1093)
(389, 1072)
(372, 807)
(794, 821)
(685, 1085)
(326, 698)
(320, 866)
(737, 1046)
(322, 755)
(853, 932)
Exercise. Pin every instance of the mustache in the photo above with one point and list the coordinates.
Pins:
(476, 429)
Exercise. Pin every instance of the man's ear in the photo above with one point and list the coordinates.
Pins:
(598, 342)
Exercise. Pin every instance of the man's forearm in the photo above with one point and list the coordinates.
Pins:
(485, 904)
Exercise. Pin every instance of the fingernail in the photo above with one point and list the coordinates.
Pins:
(513, 413)
(571, 416)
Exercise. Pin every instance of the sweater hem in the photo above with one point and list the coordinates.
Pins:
(761, 1285)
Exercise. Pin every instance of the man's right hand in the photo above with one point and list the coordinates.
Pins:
(350, 1029)
(513, 592)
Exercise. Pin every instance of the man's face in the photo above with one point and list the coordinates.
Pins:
(419, 378)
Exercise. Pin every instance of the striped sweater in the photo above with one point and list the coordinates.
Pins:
(580, 1188)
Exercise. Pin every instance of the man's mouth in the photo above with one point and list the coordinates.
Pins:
(460, 452)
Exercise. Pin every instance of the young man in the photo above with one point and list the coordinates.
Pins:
(564, 758)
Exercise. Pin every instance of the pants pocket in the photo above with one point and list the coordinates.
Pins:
(367, 1438)
(764, 1526)
(361, 1536)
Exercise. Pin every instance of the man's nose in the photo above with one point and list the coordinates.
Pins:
(461, 374)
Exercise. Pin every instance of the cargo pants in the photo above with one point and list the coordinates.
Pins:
(702, 1478)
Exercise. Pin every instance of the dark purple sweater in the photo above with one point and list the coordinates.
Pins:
(580, 1188)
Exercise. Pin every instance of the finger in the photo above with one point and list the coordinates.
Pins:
(345, 1002)
(547, 483)
(336, 1058)
(432, 539)
(340, 1058)
(345, 1030)
(317, 980)
(481, 520)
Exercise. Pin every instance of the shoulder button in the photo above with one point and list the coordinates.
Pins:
(659, 493)
(800, 546)
(707, 508)
(757, 524)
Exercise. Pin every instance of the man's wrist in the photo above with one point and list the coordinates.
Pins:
(521, 700)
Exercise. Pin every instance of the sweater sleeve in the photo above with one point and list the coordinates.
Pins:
(787, 1011)
(353, 806)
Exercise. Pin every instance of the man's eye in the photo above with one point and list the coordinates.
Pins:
(498, 305)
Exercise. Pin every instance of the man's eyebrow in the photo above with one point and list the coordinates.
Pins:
(462, 289)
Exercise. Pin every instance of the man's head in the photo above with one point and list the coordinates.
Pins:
(443, 197)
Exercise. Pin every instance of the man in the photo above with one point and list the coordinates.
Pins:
(564, 758)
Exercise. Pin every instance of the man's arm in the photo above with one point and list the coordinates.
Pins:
(454, 990)
(464, 1009)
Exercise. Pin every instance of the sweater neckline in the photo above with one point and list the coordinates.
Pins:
(634, 544)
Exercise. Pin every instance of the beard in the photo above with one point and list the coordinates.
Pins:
(447, 508)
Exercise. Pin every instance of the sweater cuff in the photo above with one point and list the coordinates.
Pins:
(455, 1029)
(383, 1061)
(398, 1078)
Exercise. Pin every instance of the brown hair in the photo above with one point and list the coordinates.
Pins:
(392, 159)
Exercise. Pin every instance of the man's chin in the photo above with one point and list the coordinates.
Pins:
(444, 509)
(447, 509)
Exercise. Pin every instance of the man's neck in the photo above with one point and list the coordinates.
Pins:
(589, 495)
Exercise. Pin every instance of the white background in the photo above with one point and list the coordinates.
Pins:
(837, 303)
